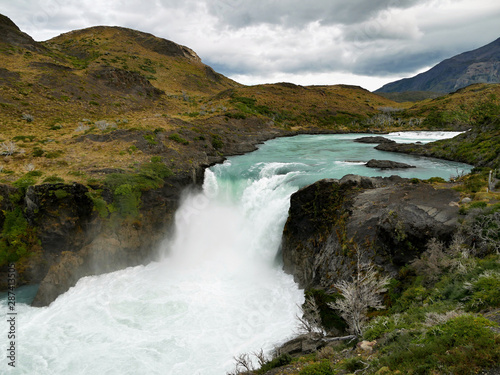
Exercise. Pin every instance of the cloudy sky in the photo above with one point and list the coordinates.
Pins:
(361, 42)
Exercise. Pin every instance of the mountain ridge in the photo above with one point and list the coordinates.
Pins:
(481, 65)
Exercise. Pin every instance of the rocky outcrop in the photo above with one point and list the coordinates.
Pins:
(11, 34)
(388, 220)
(387, 164)
(126, 81)
(375, 139)
(102, 245)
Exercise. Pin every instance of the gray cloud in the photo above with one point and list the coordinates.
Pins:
(297, 13)
(286, 38)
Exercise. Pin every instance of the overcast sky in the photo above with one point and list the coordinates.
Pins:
(360, 42)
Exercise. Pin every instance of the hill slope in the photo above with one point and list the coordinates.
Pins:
(481, 65)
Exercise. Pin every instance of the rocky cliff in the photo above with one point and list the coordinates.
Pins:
(389, 220)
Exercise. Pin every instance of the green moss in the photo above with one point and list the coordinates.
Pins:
(61, 194)
(53, 180)
(127, 187)
(17, 238)
(24, 182)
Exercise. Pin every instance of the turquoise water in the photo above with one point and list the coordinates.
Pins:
(305, 159)
(217, 291)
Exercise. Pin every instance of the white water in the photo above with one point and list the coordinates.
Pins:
(217, 292)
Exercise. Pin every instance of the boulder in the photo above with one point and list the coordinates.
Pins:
(388, 220)
(375, 139)
(387, 164)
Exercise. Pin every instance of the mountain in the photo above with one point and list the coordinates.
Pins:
(481, 65)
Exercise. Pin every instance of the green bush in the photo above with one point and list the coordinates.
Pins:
(462, 345)
(436, 179)
(486, 292)
(150, 138)
(126, 200)
(479, 204)
(99, 204)
(24, 182)
(279, 361)
(217, 142)
(177, 138)
(321, 368)
(353, 364)
(16, 237)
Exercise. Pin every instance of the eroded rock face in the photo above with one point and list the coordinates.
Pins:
(110, 246)
(389, 220)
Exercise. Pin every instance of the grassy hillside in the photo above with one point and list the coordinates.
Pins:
(460, 109)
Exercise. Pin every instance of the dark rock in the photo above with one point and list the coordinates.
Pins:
(126, 81)
(376, 139)
(103, 248)
(390, 220)
(399, 147)
(11, 34)
(302, 344)
(387, 164)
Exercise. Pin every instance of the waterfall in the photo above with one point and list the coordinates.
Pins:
(218, 289)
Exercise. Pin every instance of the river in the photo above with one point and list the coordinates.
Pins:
(218, 289)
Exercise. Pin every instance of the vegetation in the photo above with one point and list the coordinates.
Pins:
(156, 115)
(441, 314)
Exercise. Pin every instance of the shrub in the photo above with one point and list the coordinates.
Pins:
(321, 368)
(353, 364)
(177, 138)
(217, 142)
(28, 117)
(436, 179)
(16, 239)
(282, 360)
(53, 154)
(38, 152)
(485, 291)
(24, 182)
(462, 345)
(127, 200)
(8, 148)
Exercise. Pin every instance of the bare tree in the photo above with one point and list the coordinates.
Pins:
(364, 291)
(310, 321)
(243, 363)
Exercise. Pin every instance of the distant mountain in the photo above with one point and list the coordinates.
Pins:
(481, 65)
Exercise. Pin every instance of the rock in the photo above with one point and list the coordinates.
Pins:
(376, 139)
(466, 200)
(387, 164)
(366, 346)
(101, 248)
(302, 344)
(390, 220)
